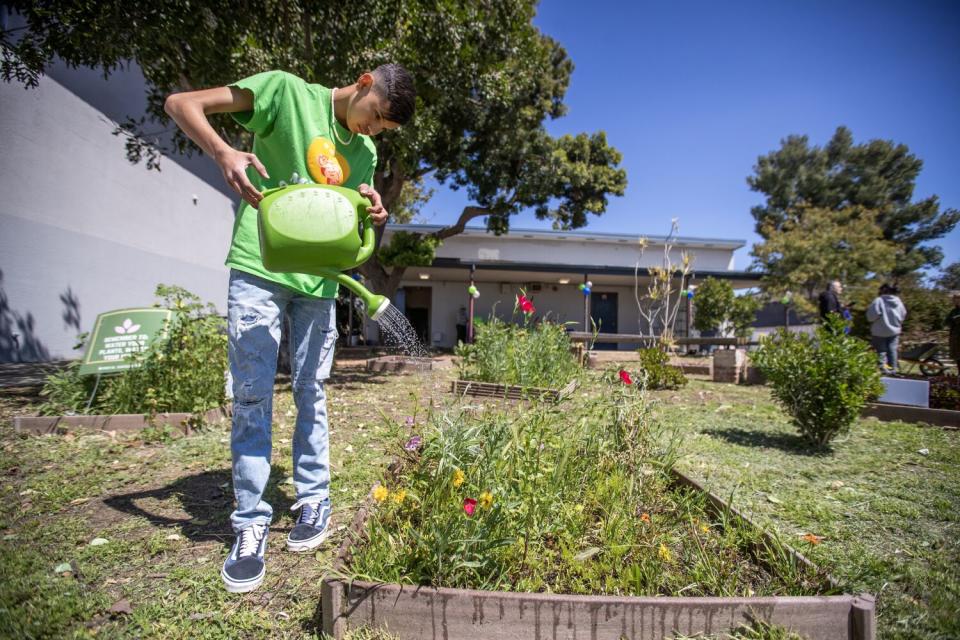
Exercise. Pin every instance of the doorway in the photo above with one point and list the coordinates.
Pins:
(603, 311)
(418, 311)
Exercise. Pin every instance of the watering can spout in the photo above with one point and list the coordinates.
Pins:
(376, 304)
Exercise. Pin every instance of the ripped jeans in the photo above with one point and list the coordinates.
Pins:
(255, 308)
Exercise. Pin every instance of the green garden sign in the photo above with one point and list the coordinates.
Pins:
(119, 335)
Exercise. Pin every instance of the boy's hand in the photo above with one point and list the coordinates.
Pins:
(234, 165)
(377, 213)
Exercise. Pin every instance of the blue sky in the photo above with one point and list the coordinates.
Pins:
(693, 92)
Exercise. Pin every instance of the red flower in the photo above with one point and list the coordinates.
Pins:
(469, 506)
(524, 303)
(625, 377)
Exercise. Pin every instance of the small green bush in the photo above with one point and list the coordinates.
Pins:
(657, 373)
(822, 381)
(181, 372)
(531, 354)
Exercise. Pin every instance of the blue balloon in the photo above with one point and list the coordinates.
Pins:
(586, 291)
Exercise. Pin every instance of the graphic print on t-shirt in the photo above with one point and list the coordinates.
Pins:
(325, 165)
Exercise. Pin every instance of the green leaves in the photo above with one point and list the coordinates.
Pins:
(822, 381)
(878, 176)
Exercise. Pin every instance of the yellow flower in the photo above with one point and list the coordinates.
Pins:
(399, 495)
(664, 553)
(705, 528)
(458, 478)
(486, 499)
(380, 493)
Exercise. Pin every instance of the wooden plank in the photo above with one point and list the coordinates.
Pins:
(637, 338)
(39, 425)
(424, 612)
(892, 412)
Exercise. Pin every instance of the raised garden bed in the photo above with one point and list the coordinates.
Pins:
(38, 425)
(904, 413)
(408, 611)
(399, 364)
(511, 391)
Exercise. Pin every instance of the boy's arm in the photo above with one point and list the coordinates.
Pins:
(189, 110)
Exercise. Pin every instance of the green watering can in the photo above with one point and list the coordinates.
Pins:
(313, 229)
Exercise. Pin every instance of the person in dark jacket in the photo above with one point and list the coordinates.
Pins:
(953, 325)
(830, 300)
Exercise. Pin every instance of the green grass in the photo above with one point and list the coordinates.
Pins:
(888, 515)
(163, 504)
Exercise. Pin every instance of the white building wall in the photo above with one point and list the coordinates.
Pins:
(83, 231)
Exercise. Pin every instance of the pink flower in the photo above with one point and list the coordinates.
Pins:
(410, 421)
(524, 303)
(413, 443)
(625, 377)
(469, 506)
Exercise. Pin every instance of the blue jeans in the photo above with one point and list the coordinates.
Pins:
(886, 348)
(254, 310)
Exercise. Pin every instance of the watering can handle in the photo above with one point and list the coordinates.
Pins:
(369, 235)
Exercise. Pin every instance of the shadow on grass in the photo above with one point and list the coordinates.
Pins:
(203, 497)
(787, 442)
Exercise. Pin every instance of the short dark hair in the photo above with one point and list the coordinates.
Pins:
(395, 85)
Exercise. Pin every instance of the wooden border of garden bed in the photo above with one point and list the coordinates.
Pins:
(399, 364)
(39, 425)
(427, 612)
(511, 391)
(891, 412)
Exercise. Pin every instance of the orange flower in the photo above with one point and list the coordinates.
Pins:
(811, 538)
(645, 517)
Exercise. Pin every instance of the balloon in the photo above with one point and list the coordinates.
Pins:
(472, 290)
(582, 286)
(785, 300)
(589, 285)
(690, 294)
(476, 294)
(586, 291)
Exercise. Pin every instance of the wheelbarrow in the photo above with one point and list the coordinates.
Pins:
(923, 356)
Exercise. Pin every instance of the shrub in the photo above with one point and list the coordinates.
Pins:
(657, 373)
(712, 304)
(822, 381)
(183, 371)
(531, 354)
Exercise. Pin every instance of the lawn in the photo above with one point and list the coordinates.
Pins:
(886, 515)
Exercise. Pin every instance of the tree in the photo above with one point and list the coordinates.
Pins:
(815, 245)
(878, 175)
(486, 78)
(712, 303)
(743, 312)
(950, 277)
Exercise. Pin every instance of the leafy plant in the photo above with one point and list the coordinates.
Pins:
(742, 314)
(658, 374)
(577, 500)
(822, 381)
(529, 354)
(183, 371)
(712, 304)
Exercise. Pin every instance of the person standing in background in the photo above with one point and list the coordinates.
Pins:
(886, 314)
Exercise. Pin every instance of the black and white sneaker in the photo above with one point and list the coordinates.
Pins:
(244, 568)
(312, 526)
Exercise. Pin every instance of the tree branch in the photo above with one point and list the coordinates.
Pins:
(469, 213)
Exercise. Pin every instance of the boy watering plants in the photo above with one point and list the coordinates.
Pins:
(302, 132)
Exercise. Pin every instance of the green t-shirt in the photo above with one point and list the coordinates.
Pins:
(292, 122)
